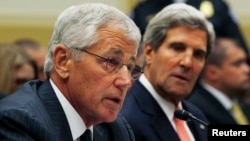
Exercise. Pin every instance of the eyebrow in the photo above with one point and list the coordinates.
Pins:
(120, 53)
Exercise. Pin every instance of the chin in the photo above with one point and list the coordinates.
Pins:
(110, 117)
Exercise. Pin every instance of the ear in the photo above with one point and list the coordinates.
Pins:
(62, 60)
(148, 52)
(212, 72)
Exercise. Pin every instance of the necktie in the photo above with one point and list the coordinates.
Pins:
(181, 130)
(238, 114)
(86, 136)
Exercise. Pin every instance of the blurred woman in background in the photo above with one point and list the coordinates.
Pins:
(16, 68)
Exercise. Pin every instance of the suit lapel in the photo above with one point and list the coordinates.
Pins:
(198, 130)
(159, 122)
(51, 103)
(213, 103)
(163, 128)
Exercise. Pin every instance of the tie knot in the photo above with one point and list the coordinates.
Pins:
(178, 107)
(235, 105)
(86, 136)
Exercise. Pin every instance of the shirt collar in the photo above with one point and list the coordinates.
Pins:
(167, 107)
(76, 124)
(220, 96)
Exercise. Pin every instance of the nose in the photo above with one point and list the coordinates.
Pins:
(186, 60)
(247, 69)
(124, 78)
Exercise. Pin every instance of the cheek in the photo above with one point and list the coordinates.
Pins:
(232, 75)
(229, 71)
(198, 66)
(84, 76)
(88, 76)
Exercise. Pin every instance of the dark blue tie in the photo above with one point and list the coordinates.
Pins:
(86, 136)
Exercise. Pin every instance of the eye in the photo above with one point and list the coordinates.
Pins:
(239, 63)
(199, 54)
(137, 69)
(178, 46)
(136, 72)
(115, 62)
(131, 67)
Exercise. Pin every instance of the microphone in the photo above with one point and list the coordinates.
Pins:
(184, 115)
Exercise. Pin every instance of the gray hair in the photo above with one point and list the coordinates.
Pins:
(177, 14)
(77, 27)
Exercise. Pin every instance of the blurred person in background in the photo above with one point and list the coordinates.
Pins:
(16, 68)
(218, 12)
(35, 51)
(223, 83)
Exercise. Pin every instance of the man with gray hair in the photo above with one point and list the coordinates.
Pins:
(176, 43)
(90, 65)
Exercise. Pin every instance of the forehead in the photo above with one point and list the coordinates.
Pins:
(196, 37)
(182, 29)
(112, 37)
(235, 52)
(109, 32)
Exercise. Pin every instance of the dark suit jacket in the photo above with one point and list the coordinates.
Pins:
(149, 122)
(212, 108)
(34, 113)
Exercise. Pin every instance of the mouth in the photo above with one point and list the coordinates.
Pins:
(113, 102)
(181, 77)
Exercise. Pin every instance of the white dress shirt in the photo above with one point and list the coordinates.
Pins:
(167, 107)
(76, 124)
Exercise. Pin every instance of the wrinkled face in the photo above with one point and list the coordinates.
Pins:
(96, 93)
(174, 68)
(234, 73)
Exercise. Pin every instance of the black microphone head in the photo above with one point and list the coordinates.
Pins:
(182, 114)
